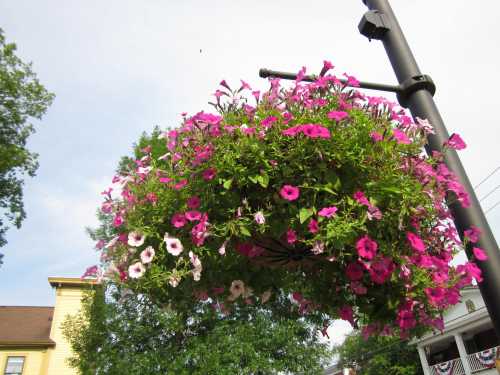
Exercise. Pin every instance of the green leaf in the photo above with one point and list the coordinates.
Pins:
(244, 231)
(254, 179)
(227, 183)
(305, 213)
(263, 180)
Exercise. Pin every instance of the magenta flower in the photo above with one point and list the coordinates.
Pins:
(328, 211)
(117, 221)
(193, 215)
(400, 137)
(435, 295)
(289, 192)
(406, 319)
(346, 313)
(315, 131)
(472, 234)
(455, 142)
(313, 226)
(327, 65)
(381, 270)
(354, 271)
(479, 254)
(367, 248)
(415, 242)
(293, 131)
(376, 137)
(291, 236)
(337, 115)
(269, 121)
(360, 197)
(244, 86)
(193, 202)
(180, 184)
(178, 220)
(209, 174)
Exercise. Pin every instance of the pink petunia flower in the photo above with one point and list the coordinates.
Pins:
(376, 137)
(400, 137)
(193, 215)
(472, 234)
(180, 184)
(479, 253)
(354, 271)
(366, 247)
(193, 202)
(360, 197)
(415, 242)
(313, 226)
(291, 236)
(346, 313)
(178, 220)
(208, 174)
(289, 192)
(337, 115)
(455, 142)
(293, 131)
(328, 211)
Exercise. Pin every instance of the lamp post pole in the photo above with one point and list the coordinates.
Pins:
(381, 23)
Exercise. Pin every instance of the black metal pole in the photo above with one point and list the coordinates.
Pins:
(265, 73)
(421, 104)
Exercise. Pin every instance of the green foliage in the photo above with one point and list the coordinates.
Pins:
(22, 98)
(128, 334)
(379, 355)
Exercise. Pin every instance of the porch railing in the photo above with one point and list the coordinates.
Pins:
(485, 362)
(478, 364)
(455, 365)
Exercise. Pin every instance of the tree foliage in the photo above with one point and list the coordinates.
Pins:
(128, 334)
(22, 97)
(378, 355)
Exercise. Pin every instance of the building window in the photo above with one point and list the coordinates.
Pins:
(470, 306)
(14, 366)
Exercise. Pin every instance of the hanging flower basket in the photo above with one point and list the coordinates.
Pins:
(315, 190)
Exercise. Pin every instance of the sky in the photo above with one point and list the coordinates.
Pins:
(120, 67)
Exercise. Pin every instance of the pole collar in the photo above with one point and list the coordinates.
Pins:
(413, 84)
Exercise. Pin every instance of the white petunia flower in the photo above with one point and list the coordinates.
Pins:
(147, 254)
(174, 245)
(259, 217)
(136, 270)
(236, 289)
(174, 280)
(136, 239)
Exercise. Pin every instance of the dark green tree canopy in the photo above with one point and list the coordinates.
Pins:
(128, 334)
(378, 355)
(22, 97)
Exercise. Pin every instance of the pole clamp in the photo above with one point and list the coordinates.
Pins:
(413, 84)
(374, 25)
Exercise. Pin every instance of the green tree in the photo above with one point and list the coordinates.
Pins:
(378, 355)
(22, 98)
(128, 334)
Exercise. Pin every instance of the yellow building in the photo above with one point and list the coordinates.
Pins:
(31, 339)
